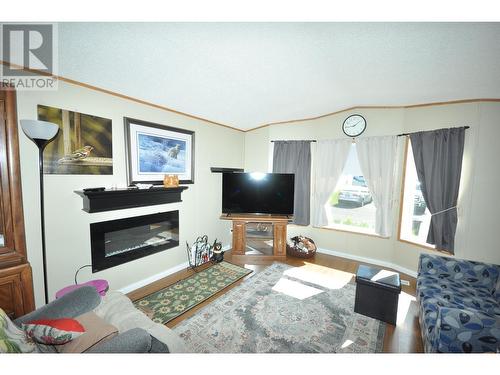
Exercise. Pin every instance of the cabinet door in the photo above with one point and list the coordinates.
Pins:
(12, 242)
(16, 290)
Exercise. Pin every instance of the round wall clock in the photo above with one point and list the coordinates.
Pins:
(354, 125)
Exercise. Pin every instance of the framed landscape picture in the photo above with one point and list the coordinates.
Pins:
(155, 150)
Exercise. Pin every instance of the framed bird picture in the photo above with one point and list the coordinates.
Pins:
(154, 150)
(84, 144)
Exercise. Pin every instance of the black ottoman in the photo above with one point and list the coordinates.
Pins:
(377, 293)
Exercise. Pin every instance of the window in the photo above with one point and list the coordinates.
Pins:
(350, 206)
(415, 217)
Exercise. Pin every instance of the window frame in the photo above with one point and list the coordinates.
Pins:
(353, 232)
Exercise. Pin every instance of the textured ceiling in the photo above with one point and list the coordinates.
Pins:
(248, 74)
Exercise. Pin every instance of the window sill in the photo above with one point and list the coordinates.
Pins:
(422, 246)
(369, 234)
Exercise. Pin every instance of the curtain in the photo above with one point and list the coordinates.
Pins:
(377, 159)
(330, 158)
(295, 157)
(438, 159)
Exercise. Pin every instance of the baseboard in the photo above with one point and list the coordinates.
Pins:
(368, 260)
(152, 279)
(161, 275)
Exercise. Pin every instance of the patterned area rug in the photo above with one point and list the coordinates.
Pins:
(275, 312)
(172, 301)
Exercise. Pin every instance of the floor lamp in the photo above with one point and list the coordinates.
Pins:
(41, 133)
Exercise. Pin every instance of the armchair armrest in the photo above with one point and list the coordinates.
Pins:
(466, 331)
(71, 305)
(474, 273)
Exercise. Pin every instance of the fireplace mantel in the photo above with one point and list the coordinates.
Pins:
(117, 199)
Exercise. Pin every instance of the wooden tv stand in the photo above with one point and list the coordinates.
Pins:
(239, 232)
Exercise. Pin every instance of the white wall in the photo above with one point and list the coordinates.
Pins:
(67, 226)
(257, 150)
(479, 202)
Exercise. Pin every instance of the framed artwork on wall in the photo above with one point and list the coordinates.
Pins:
(155, 150)
(84, 144)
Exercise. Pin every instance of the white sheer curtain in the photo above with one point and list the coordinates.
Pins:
(331, 156)
(378, 160)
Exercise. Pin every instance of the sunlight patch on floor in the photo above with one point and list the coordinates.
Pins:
(347, 343)
(295, 289)
(403, 307)
(323, 276)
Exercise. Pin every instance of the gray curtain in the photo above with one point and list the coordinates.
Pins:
(295, 157)
(438, 159)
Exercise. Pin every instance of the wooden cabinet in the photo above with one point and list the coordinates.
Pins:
(16, 286)
(16, 290)
(240, 223)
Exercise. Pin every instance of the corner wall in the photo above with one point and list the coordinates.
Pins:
(67, 226)
(479, 205)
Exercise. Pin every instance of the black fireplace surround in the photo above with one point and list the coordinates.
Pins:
(120, 241)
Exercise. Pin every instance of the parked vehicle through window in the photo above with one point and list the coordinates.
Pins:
(350, 206)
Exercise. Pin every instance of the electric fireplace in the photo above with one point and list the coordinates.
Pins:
(120, 241)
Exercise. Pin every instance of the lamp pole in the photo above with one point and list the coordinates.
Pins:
(41, 143)
(41, 133)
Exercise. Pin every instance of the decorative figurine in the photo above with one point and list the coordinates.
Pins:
(218, 252)
(171, 180)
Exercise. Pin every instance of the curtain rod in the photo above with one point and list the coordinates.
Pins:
(406, 134)
(295, 140)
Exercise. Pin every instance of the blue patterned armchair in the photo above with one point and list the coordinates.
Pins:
(459, 305)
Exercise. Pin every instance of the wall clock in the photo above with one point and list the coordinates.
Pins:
(354, 125)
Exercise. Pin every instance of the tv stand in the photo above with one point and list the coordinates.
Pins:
(240, 223)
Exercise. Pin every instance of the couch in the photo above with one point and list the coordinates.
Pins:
(137, 333)
(459, 305)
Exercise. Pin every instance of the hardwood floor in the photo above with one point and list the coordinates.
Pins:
(402, 338)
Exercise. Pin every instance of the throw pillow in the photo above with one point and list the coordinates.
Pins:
(53, 331)
(13, 339)
(96, 332)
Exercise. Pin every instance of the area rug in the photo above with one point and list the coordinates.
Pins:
(274, 312)
(172, 301)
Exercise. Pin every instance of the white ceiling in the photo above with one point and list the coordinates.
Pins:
(248, 74)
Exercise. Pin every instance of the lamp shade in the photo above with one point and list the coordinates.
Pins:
(42, 130)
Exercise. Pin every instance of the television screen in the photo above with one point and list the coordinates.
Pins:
(257, 193)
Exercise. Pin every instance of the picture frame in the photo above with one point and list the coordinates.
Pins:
(83, 145)
(155, 150)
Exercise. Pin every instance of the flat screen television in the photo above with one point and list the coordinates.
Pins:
(258, 193)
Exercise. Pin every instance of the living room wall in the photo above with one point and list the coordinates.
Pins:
(479, 204)
(67, 226)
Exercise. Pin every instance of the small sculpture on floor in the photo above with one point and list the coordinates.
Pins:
(218, 253)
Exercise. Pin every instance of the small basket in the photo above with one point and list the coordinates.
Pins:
(294, 251)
